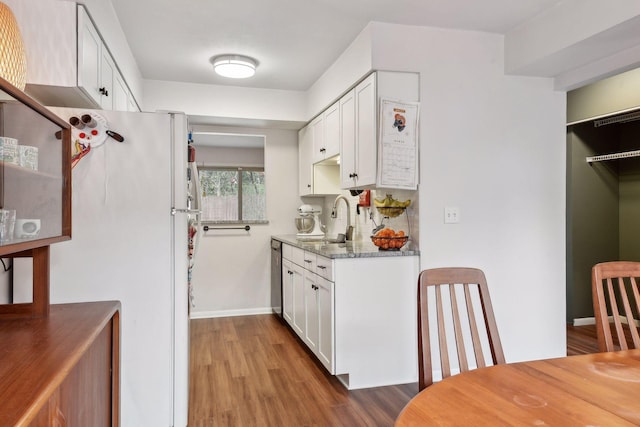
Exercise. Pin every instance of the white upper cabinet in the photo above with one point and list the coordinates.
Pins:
(98, 75)
(317, 129)
(359, 124)
(317, 177)
(120, 94)
(90, 52)
(332, 131)
(347, 139)
(350, 128)
(358, 151)
(108, 73)
(326, 135)
(72, 74)
(305, 162)
(366, 143)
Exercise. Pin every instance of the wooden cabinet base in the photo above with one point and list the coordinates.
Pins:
(62, 370)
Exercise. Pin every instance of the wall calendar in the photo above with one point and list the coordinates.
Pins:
(398, 144)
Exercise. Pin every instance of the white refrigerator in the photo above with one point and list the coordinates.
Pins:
(130, 243)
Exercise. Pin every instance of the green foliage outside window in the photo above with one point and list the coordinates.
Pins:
(221, 188)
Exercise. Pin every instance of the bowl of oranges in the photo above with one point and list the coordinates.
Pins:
(388, 239)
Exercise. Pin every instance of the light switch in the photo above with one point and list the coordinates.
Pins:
(451, 215)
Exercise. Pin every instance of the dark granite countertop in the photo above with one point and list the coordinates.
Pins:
(354, 249)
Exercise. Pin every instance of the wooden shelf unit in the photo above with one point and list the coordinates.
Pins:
(23, 118)
(63, 368)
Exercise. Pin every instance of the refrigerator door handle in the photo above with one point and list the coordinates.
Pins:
(198, 205)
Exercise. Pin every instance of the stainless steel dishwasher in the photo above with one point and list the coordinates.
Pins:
(276, 276)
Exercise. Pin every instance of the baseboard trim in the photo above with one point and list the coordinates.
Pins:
(230, 313)
(592, 321)
(582, 321)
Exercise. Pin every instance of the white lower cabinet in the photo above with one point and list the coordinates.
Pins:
(287, 290)
(293, 295)
(298, 322)
(311, 302)
(308, 301)
(319, 333)
(326, 335)
(357, 315)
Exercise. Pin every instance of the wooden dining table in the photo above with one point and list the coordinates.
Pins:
(601, 389)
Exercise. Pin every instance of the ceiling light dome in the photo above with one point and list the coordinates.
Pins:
(234, 66)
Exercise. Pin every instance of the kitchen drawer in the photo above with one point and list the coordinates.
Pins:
(324, 267)
(287, 252)
(297, 256)
(310, 261)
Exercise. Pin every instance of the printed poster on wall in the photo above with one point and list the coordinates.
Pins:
(398, 145)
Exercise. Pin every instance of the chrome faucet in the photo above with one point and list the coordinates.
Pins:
(334, 214)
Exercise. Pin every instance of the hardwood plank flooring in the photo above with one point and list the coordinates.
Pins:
(581, 340)
(253, 371)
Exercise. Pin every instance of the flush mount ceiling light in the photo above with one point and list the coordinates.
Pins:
(234, 66)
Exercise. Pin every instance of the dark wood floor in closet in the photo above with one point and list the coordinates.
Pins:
(251, 371)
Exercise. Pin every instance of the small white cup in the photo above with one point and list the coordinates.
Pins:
(27, 228)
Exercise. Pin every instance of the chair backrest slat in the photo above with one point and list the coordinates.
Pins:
(442, 334)
(475, 335)
(458, 325)
(423, 337)
(614, 306)
(612, 284)
(636, 299)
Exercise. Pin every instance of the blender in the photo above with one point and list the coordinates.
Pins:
(309, 225)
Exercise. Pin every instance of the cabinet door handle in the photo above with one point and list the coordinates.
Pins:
(289, 272)
(104, 91)
(308, 185)
(322, 150)
(353, 175)
(308, 261)
(322, 267)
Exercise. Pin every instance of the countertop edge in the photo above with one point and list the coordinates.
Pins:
(358, 249)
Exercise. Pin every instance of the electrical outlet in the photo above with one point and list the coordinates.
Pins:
(451, 215)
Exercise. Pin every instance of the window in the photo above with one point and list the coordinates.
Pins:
(232, 194)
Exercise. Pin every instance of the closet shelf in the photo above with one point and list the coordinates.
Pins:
(614, 156)
(620, 118)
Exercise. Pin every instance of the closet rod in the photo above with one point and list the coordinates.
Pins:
(613, 156)
(620, 118)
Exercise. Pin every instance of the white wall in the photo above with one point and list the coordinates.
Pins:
(228, 156)
(577, 42)
(494, 146)
(49, 35)
(232, 272)
(353, 65)
(224, 101)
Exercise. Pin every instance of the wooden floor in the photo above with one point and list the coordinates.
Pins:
(252, 371)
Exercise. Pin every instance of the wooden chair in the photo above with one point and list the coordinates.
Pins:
(467, 281)
(616, 298)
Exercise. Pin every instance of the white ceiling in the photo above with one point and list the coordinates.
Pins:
(295, 41)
